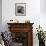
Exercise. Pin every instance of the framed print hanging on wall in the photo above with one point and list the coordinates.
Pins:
(20, 9)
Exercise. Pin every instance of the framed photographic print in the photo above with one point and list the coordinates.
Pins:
(20, 9)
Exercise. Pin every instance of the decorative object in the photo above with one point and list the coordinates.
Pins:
(41, 36)
(13, 21)
(7, 38)
(45, 35)
(1, 40)
(20, 9)
(27, 21)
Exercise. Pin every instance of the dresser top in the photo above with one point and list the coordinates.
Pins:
(19, 23)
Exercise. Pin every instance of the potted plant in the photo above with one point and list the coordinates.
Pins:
(41, 36)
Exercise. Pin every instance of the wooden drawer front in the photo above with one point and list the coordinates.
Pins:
(21, 26)
(18, 29)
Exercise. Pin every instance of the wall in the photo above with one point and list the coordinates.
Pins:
(33, 13)
(43, 14)
(0, 14)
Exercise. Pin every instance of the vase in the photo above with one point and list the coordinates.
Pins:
(41, 43)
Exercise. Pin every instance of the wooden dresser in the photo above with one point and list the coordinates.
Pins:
(22, 33)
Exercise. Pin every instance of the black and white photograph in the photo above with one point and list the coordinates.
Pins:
(20, 9)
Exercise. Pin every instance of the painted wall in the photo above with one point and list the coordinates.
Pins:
(33, 13)
(0, 15)
(43, 14)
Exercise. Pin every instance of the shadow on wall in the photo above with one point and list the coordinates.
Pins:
(0, 15)
(43, 6)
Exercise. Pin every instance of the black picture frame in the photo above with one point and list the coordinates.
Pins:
(20, 9)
